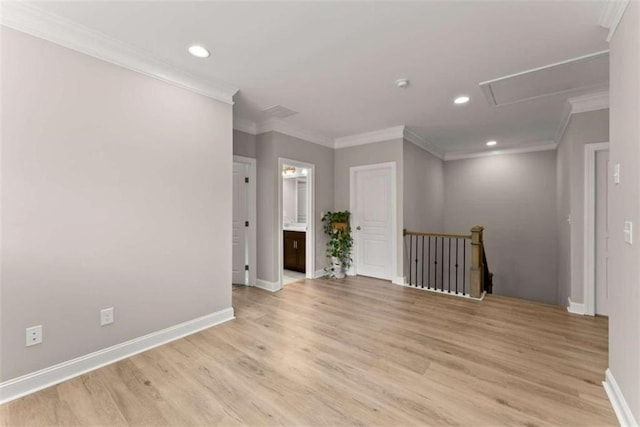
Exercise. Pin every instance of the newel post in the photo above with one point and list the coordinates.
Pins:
(476, 285)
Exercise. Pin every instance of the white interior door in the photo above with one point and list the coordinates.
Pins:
(240, 216)
(372, 221)
(601, 234)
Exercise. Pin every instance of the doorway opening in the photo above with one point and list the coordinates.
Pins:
(296, 196)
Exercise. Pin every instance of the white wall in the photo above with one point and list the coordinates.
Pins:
(583, 128)
(513, 197)
(116, 192)
(624, 259)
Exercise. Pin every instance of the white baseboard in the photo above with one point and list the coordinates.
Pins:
(620, 406)
(575, 307)
(35, 381)
(267, 286)
(319, 273)
(398, 280)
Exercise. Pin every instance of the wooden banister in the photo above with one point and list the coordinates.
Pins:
(421, 233)
(446, 262)
(476, 284)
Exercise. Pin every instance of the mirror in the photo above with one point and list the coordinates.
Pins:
(294, 196)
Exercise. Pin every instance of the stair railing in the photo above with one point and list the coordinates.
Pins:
(448, 263)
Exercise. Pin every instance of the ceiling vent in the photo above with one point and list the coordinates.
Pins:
(586, 72)
(278, 112)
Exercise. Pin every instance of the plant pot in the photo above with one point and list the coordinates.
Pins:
(340, 225)
(336, 268)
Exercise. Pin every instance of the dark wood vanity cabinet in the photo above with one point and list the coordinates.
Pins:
(294, 250)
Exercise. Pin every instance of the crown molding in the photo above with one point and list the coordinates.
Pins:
(243, 125)
(611, 15)
(27, 18)
(276, 125)
(419, 141)
(589, 102)
(396, 132)
(531, 148)
(581, 104)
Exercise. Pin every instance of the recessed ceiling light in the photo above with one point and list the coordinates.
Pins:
(491, 143)
(198, 51)
(461, 99)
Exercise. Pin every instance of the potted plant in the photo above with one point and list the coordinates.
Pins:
(336, 226)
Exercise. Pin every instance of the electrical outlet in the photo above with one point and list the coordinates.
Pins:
(34, 335)
(106, 316)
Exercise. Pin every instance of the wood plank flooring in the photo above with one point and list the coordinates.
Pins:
(353, 352)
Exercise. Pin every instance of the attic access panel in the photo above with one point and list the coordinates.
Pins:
(585, 72)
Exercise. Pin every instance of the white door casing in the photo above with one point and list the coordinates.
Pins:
(373, 219)
(240, 215)
(601, 234)
(589, 258)
(310, 255)
(244, 211)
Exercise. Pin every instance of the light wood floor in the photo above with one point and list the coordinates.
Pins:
(361, 352)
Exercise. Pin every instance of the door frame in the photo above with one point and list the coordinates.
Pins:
(391, 166)
(310, 253)
(589, 256)
(251, 207)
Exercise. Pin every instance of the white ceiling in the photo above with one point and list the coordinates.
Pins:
(336, 62)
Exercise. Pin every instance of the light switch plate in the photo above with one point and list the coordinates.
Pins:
(616, 173)
(628, 232)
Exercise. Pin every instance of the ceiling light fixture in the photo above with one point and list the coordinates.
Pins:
(402, 83)
(491, 143)
(198, 51)
(288, 170)
(463, 99)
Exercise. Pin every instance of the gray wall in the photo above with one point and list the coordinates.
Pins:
(582, 129)
(361, 155)
(512, 197)
(423, 200)
(266, 207)
(423, 189)
(269, 147)
(563, 206)
(624, 259)
(114, 189)
(244, 144)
